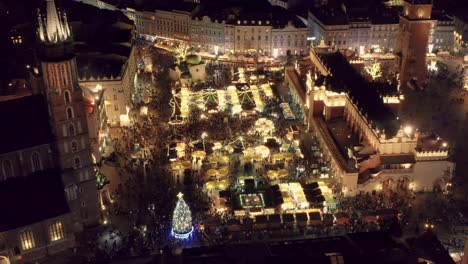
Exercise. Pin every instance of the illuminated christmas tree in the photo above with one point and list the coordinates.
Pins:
(182, 226)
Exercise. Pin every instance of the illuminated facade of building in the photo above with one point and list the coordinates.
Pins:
(367, 147)
(117, 89)
(413, 40)
(364, 33)
(461, 34)
(237, 36)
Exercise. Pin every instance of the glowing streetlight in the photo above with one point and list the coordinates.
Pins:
(444, 145)
(408, 130)
(275, 53)
(203, 136)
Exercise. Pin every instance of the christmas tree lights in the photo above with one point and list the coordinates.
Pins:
(182, 226)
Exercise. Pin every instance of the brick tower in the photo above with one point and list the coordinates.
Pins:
(413, 38)
(67, 116)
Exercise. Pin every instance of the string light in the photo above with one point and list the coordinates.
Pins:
(182, 226)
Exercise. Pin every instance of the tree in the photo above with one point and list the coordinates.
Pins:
(374, 70)
(101, 180)
(182, 226)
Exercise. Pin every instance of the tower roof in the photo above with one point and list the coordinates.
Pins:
(54, 28)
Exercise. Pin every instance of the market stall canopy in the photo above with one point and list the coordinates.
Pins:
(247, 158)
(249, 151)
(175, 165)
(288, 156)
(272, 174)
(187, 164)
(210, 185)
(199, 154)
(211, 172)
(277, 156)
(213, 159)
(224, 159)
(262, 150)
(222, 185)
(257, 157)
(283, 173)
(223, 172)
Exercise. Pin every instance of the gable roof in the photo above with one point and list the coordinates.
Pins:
(25, 123)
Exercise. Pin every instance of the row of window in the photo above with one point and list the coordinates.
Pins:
(28, 240)
(9, 171)
(58, 75)
(295, 44)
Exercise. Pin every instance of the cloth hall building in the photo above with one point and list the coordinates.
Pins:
(358, 129)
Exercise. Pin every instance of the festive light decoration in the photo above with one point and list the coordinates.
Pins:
(182, 226)
(256, 96)
(374, 70)
(101, 180)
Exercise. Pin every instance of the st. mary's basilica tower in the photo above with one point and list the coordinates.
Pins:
(67, 115)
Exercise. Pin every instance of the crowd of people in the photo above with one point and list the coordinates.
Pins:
(140, 217)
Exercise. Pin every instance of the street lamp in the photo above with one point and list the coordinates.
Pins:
(408, 130)
(203, 136)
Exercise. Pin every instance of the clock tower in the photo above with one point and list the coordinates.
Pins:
(67, 116)
(413, 38)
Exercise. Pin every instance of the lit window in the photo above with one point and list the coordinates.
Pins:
(56, 231)
(27, 240)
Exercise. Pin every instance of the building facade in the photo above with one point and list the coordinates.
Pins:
(68, 118)
(42, 220)
(461, 34)
(117, 90)
(372, 33)
(413, 41)
(368, 159)
(224, 37)
(442, 35)
(207, 34)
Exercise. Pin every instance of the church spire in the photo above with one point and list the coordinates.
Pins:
(40, 26)
(56, 27)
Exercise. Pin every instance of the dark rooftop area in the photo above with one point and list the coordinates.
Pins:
(427, 246)
(31, 199)
(28, 123)
(331, 15)
(343, 137)
(365, 94)
(151, 5)
(370, 247)
(419, 2)
(102, 39)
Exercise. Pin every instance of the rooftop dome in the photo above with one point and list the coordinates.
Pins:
(193, 59)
